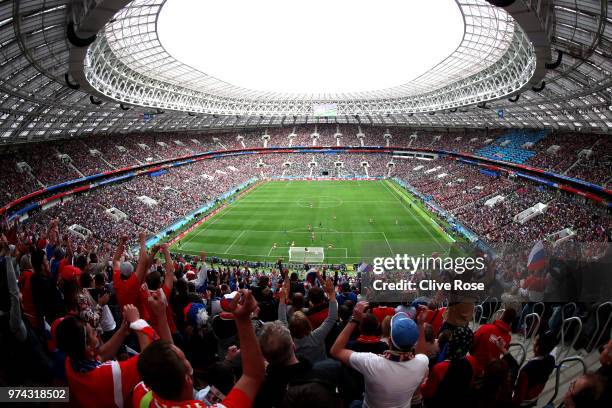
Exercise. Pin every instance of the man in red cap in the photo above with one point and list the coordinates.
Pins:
(69, 273)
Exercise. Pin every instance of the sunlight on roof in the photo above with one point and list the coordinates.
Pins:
(311, 46)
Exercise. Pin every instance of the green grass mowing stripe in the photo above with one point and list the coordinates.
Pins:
(417, 216)
(253, 223)
(237, 238)
(424, 213)
(215, 218)
(427, 215)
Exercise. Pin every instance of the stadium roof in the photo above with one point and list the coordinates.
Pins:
(97, 66)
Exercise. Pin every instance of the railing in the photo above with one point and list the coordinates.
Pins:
(523, 350)
(598, 327)
(497, 315)
(565, 310)
(542, 307)
(558, 374)
(531, 330)
(478, 312)
(565, 328)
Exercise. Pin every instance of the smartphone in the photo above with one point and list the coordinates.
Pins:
(214, 396)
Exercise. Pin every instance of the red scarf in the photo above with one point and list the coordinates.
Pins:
(368, 339)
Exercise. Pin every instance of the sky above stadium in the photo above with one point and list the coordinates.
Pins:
(311, 46)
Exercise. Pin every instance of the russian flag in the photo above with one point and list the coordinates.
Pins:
(537, 257)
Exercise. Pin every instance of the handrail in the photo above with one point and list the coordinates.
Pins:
(567, 305)
(591, 344)
(523, 349)
(558, 373)
(490, 300)
(531, 330)
(568, 322)
(474, 320)
(541, 305)
(494, 309)
(497, 315)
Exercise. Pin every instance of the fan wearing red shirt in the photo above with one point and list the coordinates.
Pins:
(485, 348)
(94, 378)
(167, 376)
(25, 287)
(126, 282)
(435, 317)
(383, 311)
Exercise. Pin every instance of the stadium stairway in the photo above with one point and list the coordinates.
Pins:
(570, 363)
(568, 368)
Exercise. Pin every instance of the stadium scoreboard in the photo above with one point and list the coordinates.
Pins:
(325, 109)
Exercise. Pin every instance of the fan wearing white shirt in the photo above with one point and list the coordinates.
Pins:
(390, 379)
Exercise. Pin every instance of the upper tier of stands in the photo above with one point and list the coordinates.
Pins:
(30, 167)
(513, 147)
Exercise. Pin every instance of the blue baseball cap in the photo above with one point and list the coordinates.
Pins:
(404, 331)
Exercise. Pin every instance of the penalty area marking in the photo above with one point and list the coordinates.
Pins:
(325, 256)
(388, 245)
(236, 240)
(219, 254)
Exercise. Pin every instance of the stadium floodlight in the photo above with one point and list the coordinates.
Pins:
(307, 255)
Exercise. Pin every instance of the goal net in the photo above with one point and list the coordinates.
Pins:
(309, 255)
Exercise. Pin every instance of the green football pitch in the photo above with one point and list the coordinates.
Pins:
(350, 220)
